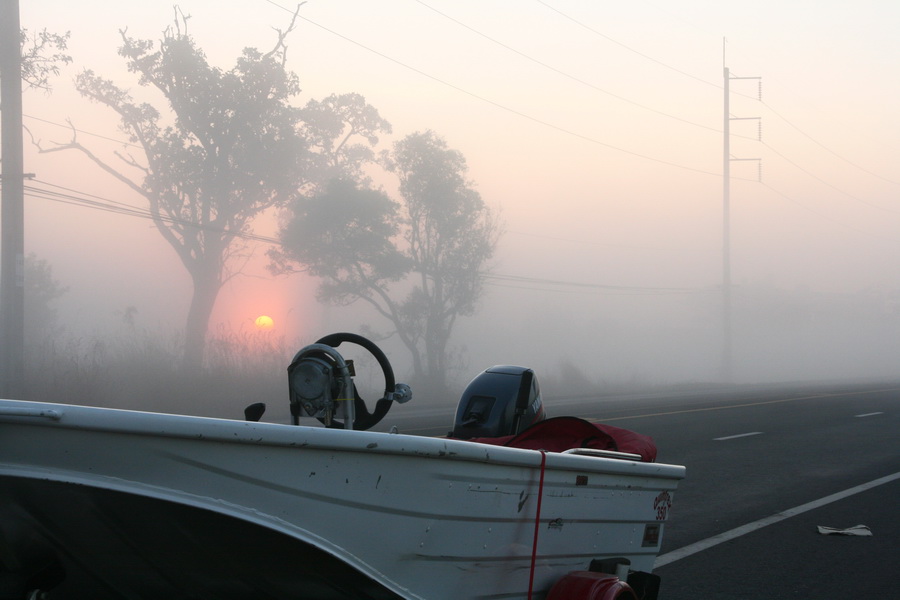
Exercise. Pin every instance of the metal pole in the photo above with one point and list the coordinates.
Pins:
(12, 212)
(726, 238)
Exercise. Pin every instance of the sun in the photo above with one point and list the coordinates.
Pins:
(264, 322)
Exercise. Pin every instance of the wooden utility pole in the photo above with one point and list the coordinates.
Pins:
(12, 211)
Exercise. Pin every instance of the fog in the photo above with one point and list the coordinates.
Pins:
(596, 132)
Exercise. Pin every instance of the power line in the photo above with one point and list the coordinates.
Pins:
(823, 146)
(638, 52)
(689, 75)
(823, 182)
(605, 244)
(272, 240)
(74, 197)
(536, 283)
(84, 131)
(563, 73)
(66, 195)
(629, 48)
(550, 125)
(494, 103)
(650, 58)
(823, 216)
(77, 198)
(579, 81)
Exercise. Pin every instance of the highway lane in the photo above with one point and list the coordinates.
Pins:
(753, 452)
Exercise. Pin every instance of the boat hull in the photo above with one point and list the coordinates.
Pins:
(126, 545)
(263, 510)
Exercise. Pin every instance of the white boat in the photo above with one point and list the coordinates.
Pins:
(103, 503)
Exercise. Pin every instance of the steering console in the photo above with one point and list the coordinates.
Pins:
(321, 385)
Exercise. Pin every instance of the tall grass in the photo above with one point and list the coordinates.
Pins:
(142, 370)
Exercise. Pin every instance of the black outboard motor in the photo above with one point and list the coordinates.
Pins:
(503, 400)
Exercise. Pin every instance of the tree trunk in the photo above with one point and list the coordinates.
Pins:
(435, 346)
(206, 289)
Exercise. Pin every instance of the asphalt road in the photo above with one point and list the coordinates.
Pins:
(765, 467)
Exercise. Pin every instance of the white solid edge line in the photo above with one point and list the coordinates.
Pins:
(684, 552)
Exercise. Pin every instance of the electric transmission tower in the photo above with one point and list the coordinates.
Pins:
(727, 158)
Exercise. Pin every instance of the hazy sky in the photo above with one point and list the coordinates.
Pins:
(595, 127)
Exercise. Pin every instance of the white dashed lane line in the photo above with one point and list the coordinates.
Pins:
(748, 434)
(740, 435)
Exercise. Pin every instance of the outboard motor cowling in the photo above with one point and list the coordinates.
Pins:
(502, 400)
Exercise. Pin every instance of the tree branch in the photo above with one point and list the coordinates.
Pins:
(75, 145)
(282, 35)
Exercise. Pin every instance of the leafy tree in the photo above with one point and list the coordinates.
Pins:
(235, 149)
(334, 127)
(43, 54)
(419, 263)
(41, 291)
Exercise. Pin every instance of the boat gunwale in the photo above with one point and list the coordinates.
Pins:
(221, 430)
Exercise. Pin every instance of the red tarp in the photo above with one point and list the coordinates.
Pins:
(562, 433)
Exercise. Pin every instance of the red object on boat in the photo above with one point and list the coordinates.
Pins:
(564, 433)
(587, 585)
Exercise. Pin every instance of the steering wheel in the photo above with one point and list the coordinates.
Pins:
(365, 419)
